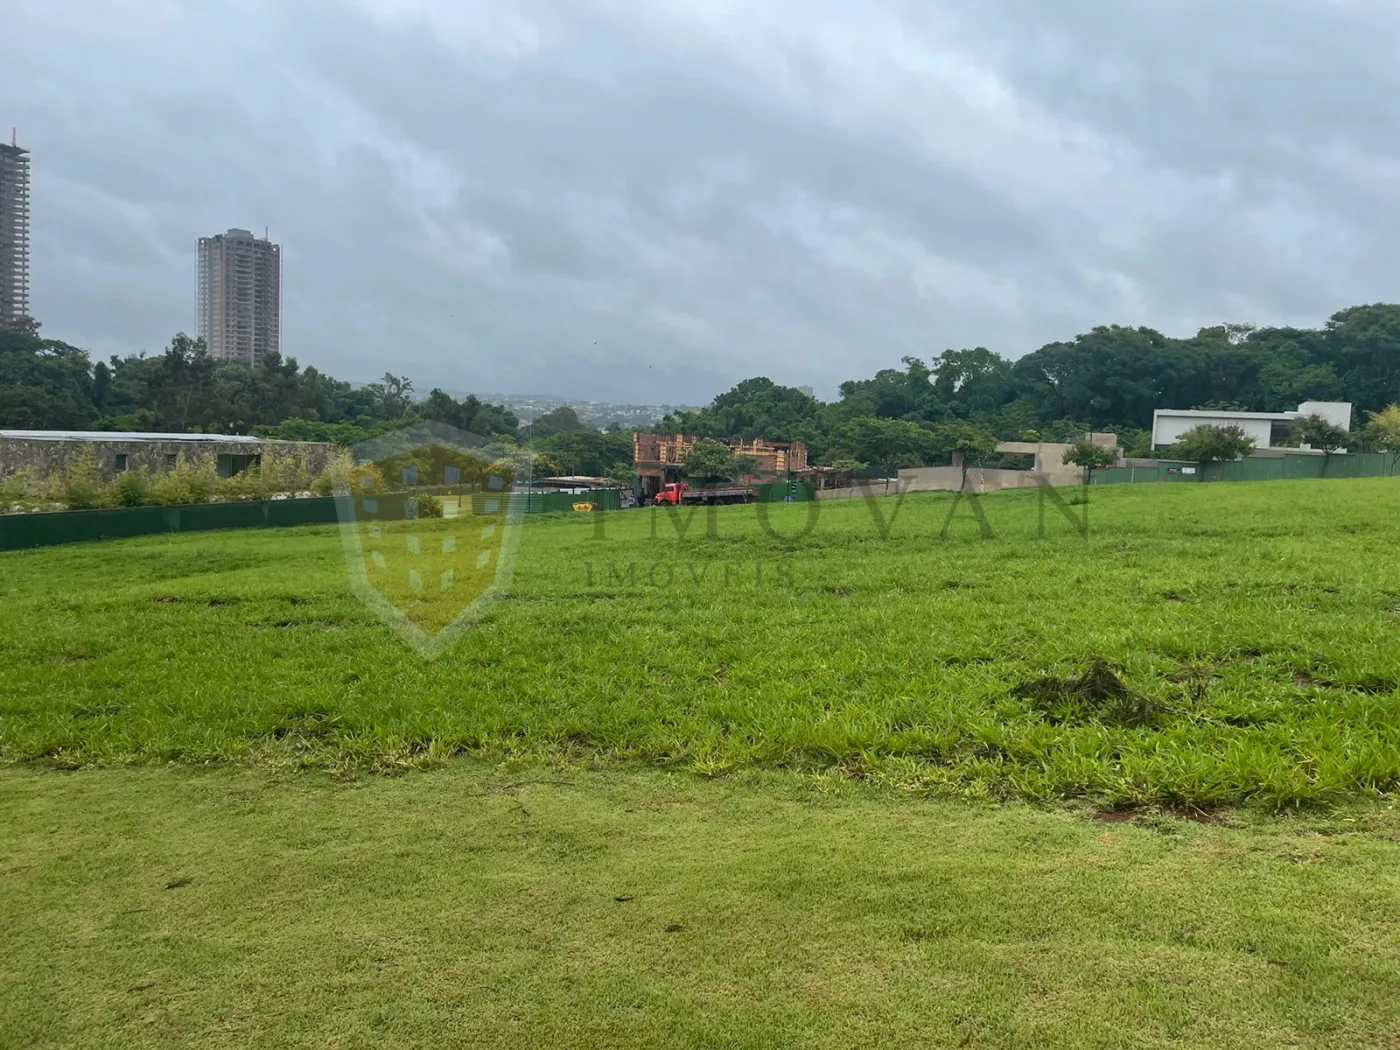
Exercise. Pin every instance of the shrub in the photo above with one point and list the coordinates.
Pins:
(82, 487)
(282, 473)
(239, 487)
(16, 488)
(367, 478)
(187, 483)
(131, 489)
(170, 490)
(428, 506)
(336, 475)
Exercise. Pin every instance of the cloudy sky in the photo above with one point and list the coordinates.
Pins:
(649, 200)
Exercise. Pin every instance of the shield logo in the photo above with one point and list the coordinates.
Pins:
(430, 521)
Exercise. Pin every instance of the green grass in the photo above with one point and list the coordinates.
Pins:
(464, 907)
(1255, 625)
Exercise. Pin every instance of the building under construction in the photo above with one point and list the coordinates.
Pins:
(14, 233)
(659, 458)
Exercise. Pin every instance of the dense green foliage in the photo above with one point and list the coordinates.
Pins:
(712, 460)
(1109, 379)
(46, 384)
(1252, 640)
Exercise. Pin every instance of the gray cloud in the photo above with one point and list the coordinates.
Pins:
(653, 200)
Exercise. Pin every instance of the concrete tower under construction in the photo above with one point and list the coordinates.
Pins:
(238, 309)
(14, 233)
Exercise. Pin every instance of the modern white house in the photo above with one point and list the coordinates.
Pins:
(1268, 429)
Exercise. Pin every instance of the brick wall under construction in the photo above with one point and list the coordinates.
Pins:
(14, 233)
(655, 455)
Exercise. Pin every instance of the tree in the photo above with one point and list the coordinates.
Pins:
(181, 385)
(43, 383)
(1084, 453)
(587, 451)
(623, 475)
(745, 466)
(1208, 443)
(1383, 428)
(1318, 433)
(711, 460)
(561, 420)
(964, 442)
(888, 443)
(393, 395)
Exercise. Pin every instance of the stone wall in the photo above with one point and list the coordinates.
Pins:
(48, 456)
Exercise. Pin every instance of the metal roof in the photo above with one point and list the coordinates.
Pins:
(122, 435)
(1212, 413)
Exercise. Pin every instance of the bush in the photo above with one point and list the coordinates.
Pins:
(81, 484)
(367, 479)
(16, 488)
(240, 487)
(131, 489)
(187, 483)
(428, 506)
(283, 473)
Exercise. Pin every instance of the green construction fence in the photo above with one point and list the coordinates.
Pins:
(23, 531)
(20, 531)
(1254, 468)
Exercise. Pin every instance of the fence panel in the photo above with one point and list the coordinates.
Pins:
(21, 531)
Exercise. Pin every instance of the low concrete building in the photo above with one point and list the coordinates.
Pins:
(48, 452)
(1265, 429)
(1047, 467)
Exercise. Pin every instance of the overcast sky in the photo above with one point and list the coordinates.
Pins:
(649, 200)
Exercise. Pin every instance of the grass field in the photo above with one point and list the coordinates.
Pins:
(879, 701)
(472, 908)
(1249, 634)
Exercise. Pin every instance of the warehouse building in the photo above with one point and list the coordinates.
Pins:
(48, 452)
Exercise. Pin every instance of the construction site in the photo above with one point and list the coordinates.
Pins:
(14, 232)
(660, 458)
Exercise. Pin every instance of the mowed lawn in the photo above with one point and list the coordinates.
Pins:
(852, 775)
(465, 907)
(1248, 635)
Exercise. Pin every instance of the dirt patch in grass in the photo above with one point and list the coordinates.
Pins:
(1098, 695)
(306, 724)
(287, 625)
(1373, 685)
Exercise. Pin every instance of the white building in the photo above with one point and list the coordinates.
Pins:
(1267, 429)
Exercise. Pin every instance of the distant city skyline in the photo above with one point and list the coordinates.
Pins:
(238, 297)
(14, 231)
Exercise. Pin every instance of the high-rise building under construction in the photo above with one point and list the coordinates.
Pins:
(14, 233)
(238, 311)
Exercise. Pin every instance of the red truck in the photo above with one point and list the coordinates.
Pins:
(679, 492)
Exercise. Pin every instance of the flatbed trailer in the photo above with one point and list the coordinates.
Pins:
(679, 492)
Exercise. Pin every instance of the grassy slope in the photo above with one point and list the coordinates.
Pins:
(462, 907)
(1261, 617)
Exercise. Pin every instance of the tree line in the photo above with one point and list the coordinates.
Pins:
(962, 400)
